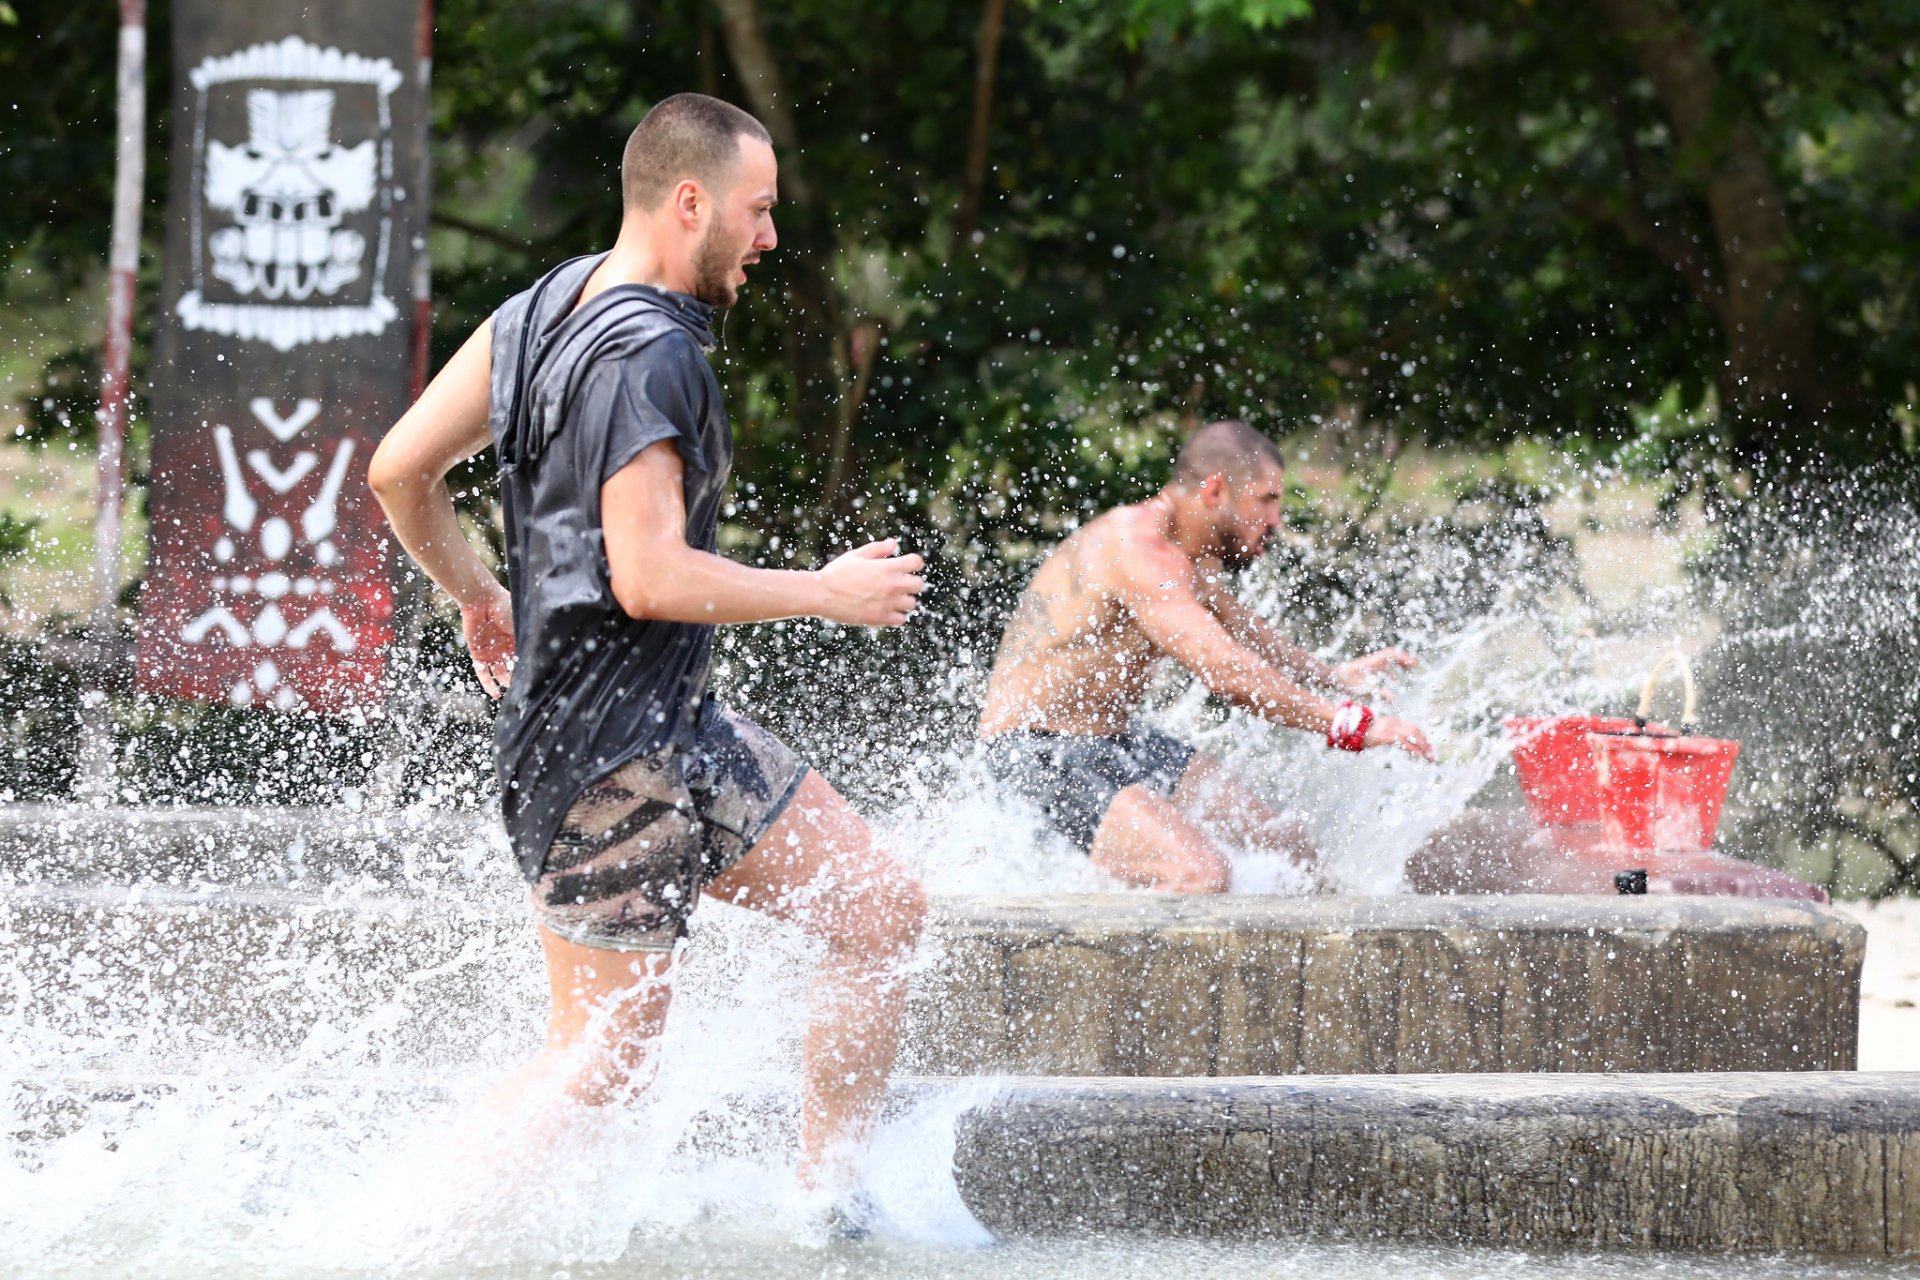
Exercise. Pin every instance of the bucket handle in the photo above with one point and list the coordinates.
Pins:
(1687, 722)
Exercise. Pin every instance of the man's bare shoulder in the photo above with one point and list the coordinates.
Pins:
(1132, 551)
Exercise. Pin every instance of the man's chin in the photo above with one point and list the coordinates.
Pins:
(1240, 559)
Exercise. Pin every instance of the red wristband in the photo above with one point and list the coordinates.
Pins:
(1348, 732)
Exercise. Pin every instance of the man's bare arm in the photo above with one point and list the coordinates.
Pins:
(445, 426)
(1255, 632)
(1159, 587)
(408, 473)
(657, 575)
(1362, 675)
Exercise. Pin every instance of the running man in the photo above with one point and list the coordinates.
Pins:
(629, 793)
(1145, 582)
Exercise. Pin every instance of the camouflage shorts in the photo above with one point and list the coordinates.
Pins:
(638, 846)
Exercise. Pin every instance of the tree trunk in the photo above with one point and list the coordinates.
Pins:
(812, 326)
(992, 20)
(1771, 386)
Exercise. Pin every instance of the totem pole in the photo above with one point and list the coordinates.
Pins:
(286, 344)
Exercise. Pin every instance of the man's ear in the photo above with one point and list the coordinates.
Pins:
(688, 202)
(1213, 490)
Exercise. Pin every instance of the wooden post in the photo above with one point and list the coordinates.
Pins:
(408, 706)
(123, 265)
(286, 342)
(423, 187)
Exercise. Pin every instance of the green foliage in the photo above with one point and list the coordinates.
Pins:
(1433, 216)
(56, 148)
(1813, 583)
(1392, 213)
(1466, 222)
(17, 538)
(1151, 15)
(39, 710)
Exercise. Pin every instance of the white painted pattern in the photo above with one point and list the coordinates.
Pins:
(284, 429)
(274, 538)
(322, 516)
(282, 195)
(282, 481)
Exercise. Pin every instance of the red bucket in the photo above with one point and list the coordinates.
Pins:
(1555, 762)
(1658, 789)
(1662, 792)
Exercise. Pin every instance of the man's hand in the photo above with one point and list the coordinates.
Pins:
(1365, 675)
(488, 627)
(872, 586)
(1386, 731)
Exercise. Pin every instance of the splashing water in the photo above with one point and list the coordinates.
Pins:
(358, 1150)
(320, 1107)
(321, 1112)
(1365, 814)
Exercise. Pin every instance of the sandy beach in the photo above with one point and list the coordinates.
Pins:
(1889, 984)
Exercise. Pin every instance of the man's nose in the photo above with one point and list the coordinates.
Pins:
(767, 238)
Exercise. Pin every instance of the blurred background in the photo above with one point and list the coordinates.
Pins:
(1605, 314)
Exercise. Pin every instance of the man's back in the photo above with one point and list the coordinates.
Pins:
(580, 386)
(1073, 658)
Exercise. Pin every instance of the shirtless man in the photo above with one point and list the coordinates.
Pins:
(1145, 582)
(629, 793)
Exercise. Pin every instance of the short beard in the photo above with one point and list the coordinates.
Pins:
(713, 270)
(1236, 557)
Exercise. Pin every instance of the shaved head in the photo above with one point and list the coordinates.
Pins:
(1232, 450)
(686, 136)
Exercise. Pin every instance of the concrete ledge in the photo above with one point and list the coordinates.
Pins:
(1815, 1163)
(1100, 985)
(1826, 1163)
(1138, 985)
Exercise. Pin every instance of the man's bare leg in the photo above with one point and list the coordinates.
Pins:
(1147, 841)
(1222, 804)
(606, 1012)
(818, 868)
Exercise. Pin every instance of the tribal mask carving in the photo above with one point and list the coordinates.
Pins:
(288, 187)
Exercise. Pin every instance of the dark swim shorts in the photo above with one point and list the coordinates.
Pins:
(1073, 778)
(639, 845)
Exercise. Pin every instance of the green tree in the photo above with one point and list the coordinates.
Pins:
(1025, 241)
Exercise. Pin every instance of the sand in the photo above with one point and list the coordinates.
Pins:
(1889, 984)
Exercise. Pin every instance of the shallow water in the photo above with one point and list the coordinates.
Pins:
(719, 1254)
(378, 1178)
(361, 1148)
(359, 1145)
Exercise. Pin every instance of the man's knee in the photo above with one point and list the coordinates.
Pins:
(902, 910)
(887, 915)
(1199, 870)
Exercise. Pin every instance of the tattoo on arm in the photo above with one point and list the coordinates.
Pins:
(1031, 628)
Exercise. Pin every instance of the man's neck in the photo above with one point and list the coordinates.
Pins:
(1185, 527)
(635, 260)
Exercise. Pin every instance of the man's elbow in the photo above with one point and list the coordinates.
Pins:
(1242, 689)
(636, 600)
(386, 477)
(1235, 695)
(640, 595)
